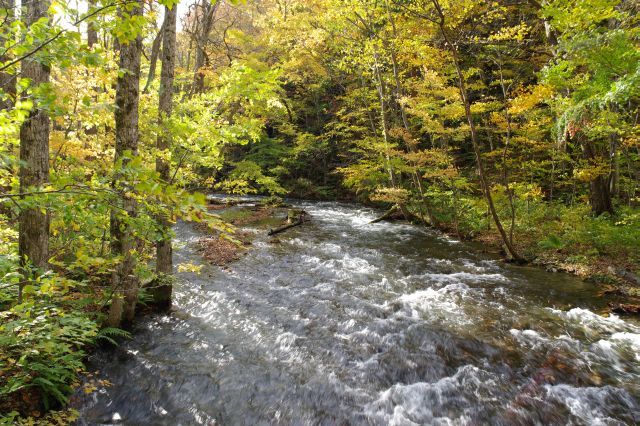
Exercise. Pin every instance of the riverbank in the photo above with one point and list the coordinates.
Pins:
(604, 250)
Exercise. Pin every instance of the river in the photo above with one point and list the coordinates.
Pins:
(342, 322)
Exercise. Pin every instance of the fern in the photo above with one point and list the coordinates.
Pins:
(552, 242)
(108, 334)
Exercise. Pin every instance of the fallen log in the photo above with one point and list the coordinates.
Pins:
(226, 202)
(301, 215)
(386, 215)
(284, 227)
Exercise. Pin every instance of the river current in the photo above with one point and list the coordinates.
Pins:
(343, 322)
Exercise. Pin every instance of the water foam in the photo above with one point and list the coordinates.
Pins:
(449, 400)
(592, 404)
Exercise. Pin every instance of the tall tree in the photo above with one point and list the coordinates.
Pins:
(123, 242)
(164, 261)
(33, 243)
(452, 46)
(155, 52)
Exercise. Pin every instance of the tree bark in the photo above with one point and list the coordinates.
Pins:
(33, 245)
(125, 283)
(164, 261)
(92, 32)
(599, 190)
(92, 39)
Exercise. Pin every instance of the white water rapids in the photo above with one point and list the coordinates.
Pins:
(343, 322)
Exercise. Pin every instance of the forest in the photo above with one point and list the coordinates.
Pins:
(509, 124)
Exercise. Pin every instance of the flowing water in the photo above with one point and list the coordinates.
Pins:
(343, 322)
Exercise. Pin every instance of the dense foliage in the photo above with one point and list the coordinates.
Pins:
(511, 121)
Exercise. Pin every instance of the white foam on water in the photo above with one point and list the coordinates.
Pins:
(613, 333)
(529, 338)
(324, 247)
(632, 339)
(621, 352)
(458, 277)
(355, 218)
(438, 280)
(343, 267)
(590, 404)
(592, 322)
(348, 326)
(311, 260)
(449, 239)
(500, 291)
(427, 403)
(329, 248)
(619, 342)
(297, 242)
(438, 303)
(479, 267)
(286, 340)
(353, 264)
(261, 244)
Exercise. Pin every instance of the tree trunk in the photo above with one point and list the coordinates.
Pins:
(208, 11)
(486, 188)
(599, 191)
(125, 283)
(164, 261)
(33, 243)
(92, 32)
(505, 168)
(155, 51)
(382, 95)
(92, 39)
(7, 78)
